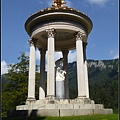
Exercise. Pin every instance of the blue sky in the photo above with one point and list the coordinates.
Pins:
(102, 41)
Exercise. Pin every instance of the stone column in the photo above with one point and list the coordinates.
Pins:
(51, 64)
(32, 69)
(86, 71)
(80, 66)
(42, 75)
(86, 79)
(65, 67)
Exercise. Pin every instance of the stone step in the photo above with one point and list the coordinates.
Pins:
(58, 112)
(59, 106)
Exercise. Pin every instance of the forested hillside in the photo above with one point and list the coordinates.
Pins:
(103, 83)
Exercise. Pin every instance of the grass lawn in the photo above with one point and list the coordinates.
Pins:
(89, 117)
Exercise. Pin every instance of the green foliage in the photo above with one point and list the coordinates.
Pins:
(103, 82)
(87, 117)
(15, 87)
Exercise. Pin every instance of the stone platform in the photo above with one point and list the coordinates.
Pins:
(63, 107)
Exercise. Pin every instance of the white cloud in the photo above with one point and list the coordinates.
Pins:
(4, 68)
(27, 53)
(68, 3)
(98, 2)
(71, 56)
(37, 55)
(114, 54)
(93, 45)
(58, 55)
(49, 2)
(40, 2)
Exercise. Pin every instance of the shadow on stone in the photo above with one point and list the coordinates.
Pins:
(24, 113)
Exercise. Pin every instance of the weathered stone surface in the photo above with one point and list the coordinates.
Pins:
(63, 107)
(75, 112)
(78, 112)
(99, 106)
(66, 112)
(103, 111)
(48, 112)
(54, 111)
(84, 106)
(42, 112)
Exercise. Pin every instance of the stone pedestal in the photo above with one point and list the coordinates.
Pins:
(63, 107)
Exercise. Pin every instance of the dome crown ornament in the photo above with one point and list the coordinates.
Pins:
(58, 3)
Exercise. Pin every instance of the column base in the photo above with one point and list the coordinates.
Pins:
(85, 100)
(50, 97)
(79, 97)
(31, 99)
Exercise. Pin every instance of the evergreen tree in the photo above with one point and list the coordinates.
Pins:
(15, 89)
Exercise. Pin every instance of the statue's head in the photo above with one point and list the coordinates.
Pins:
(59, 63)
(58, 69)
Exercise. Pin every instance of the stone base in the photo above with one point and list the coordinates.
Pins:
(31, 99)
(63, 107)
(58, 112)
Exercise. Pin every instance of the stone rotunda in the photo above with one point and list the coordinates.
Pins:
(58, 28)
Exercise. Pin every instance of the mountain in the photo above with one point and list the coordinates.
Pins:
(103, 81)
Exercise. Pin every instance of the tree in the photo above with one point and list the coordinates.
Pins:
(16, 87)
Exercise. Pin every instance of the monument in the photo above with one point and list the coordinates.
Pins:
(59, 80)
(58, 28)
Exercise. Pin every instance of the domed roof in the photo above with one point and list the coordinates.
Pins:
(66, 22)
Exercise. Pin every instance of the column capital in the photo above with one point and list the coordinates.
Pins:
(50, 32)
(42, 51)
(79, 35)
(65, 52)
(32, 41)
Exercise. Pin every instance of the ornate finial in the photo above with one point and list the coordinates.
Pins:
(58, 3)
